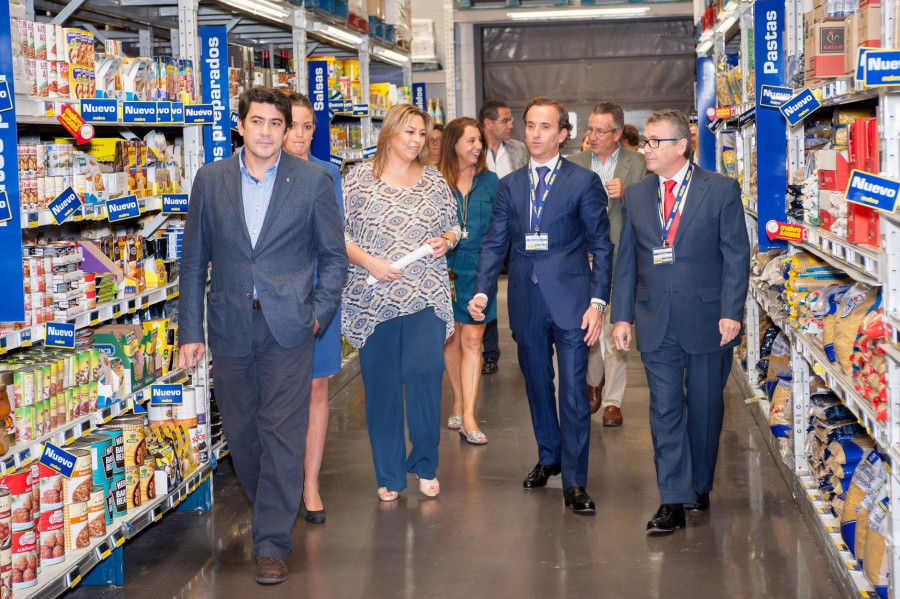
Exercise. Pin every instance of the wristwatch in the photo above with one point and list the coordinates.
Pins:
(450, 245)
(598, 306)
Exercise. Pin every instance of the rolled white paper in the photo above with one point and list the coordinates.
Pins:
(406, 260)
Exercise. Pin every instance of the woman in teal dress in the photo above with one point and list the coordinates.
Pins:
(463, 164)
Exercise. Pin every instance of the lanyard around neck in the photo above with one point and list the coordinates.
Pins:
(537, 204)
(676, 205)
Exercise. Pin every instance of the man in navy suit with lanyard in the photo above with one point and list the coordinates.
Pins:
(553, 212)
(681, 276)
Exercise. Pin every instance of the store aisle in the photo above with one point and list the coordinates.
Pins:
(487, 537)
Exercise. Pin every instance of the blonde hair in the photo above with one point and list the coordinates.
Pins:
(394, 122)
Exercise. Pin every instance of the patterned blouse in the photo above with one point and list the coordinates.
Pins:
(389, 223)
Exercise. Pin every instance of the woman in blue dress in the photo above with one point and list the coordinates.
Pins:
(327, 356)
(463, 164)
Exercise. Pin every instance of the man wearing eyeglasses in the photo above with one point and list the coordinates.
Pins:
(618, 168)
(681, 277)
(504, 155)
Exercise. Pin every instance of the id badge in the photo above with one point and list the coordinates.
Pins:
(663, 255)
(537, 243)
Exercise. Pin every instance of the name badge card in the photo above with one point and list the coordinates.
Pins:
(663, 255)
(537, 243)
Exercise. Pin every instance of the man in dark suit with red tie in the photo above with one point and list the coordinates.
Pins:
(681, 277)
(553, 212)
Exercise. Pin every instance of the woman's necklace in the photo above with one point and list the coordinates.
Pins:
(464, 210)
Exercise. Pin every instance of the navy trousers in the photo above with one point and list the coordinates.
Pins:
(564, 436)
(405, 353)
(264, 401)
(686, 413)
(491, 341)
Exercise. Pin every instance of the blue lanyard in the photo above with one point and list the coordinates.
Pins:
(537, 204)
(676, 205)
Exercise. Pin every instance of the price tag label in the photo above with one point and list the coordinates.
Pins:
(166, 395)
(95, 110)
(60, 334)
(122, 209)
(175, 203)
(139, 112)
(199, 114)
(58, 460)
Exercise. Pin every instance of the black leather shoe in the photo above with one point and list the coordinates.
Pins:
(539, 475)
(489, 366)
(580, 502)
(669, 517)
(315, 516)
(702, 503)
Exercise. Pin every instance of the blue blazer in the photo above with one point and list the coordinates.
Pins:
(709, 278)
(576, 223)
(299, 232)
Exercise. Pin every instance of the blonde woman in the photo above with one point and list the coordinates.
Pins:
(464, 165)
(393, 205)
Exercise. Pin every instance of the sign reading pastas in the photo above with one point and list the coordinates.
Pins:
(772, 96)
(872, 191)
(122, 208)
(799, 107)
(138, 112)
(747, 118)
(59, 334)
(175, 203)
(882, 67)
(198, 114)
(96, 110)
(785, 231)
(63, 206)
(58, 460)
(166, 395)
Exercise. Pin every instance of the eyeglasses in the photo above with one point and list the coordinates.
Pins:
(599, 132)
(654, 143)
(505, 121)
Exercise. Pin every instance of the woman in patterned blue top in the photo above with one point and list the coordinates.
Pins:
(327, 352)
(464, 165)
(394, 205)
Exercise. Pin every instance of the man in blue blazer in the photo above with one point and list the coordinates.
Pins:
(553, 213)
(257, 219)
(681, 277)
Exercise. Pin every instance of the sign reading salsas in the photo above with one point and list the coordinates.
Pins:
(75, 125)
(872, 191)
(772, 96)
(785, 231)
(799, 107)
(166, 395)
(58, 460)
(59, 334)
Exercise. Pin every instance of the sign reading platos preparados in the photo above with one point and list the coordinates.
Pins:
(872, 191)
(785, 231)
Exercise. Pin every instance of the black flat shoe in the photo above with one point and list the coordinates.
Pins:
(315, 516)
(489, 366)
(539, 475)
(668, 518)
(580, 502)
(702, 503)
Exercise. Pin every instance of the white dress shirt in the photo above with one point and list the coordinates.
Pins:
(499, 164)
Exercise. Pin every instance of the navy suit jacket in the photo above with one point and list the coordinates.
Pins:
(575, 222)
(299, 233)
(709, 278)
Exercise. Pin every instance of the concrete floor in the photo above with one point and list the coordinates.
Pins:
(487, 537)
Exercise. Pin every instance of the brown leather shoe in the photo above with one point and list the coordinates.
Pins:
(270, 570)
(612, 416)
(595, 396)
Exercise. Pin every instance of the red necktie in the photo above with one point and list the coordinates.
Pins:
(668, 201)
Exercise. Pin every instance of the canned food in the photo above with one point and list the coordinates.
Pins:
(97, 512)
(19, 484)
(52, 536)
(101, 448)
(93, 395)
(23, 381)
(76, 525)
(5, 518)
(95, 365)
(109, 498)
(50, 483)
(120, 495)
(24, 559)
(24, 421)
(135, 444)
(77, 488)
(6, 572)
(82, 399)
(118, 444)
(148, 485)
(36, 491)
(133, 486)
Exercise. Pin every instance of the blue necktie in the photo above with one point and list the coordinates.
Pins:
(538, 195)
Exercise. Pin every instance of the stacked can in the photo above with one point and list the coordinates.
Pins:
(103, 460)
(134, 429)
(23, 553)
(115, 489)
(36, 504)
(5, 543)
(76, 493)
(52, 543)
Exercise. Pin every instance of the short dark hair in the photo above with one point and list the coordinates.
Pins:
(630, 134)
(490, 110)
(613, 109)
(437, 127)
(678, 121)
(265, 95)
(563, 113)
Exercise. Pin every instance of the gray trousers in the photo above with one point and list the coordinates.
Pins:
(264, 401)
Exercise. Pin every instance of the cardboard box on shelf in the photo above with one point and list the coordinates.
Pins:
(863, 145)
(869, 32)
(375, 8)
(141, 363)
(863, 225)
(833, 169)
(851, 43)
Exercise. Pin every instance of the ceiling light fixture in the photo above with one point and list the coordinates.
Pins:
(578, 13)
(260, 8)
(336, 34)
(390, 55)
